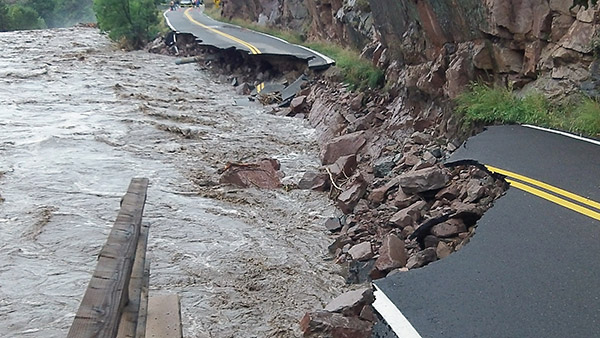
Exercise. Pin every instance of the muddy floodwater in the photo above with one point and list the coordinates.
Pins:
(80, 118)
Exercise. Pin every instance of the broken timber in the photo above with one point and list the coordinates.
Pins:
(118, 288)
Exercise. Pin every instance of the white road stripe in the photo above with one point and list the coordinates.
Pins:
(393, 317)
(577, 137)
(169, 22)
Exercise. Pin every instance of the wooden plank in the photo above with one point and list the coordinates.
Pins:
(107, 293)
(128, 327)
(164, 317)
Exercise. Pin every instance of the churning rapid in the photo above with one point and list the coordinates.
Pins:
(80, 118)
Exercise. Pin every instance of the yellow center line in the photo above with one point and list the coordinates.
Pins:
(252, 48)
(546, 186)
(570, 205)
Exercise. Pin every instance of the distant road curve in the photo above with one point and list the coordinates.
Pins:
(222, 35)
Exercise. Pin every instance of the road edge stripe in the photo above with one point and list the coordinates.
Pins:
(563, 133)
(546, 186)
(552, 198)
(169, 22)
(392, 315)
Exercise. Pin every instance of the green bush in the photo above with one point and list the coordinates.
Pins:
(131, 22)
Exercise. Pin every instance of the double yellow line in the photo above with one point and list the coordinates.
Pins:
(551, 193)
(252, 48)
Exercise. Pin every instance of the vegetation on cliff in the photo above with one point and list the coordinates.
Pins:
(483, 104)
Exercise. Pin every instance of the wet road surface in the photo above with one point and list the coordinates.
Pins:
(78, 119)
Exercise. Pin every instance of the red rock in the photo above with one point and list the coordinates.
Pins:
(320, 324)
(423, 180)
(560, 26)
(403, 200)
(367, 313)
(392, 254)
(409, 215)
(351, 303)
(361, 251)
(348, 144)
(298, 104)
(482, 56)
(474, 191)
(378, 195)
(356, 102)
(531, 58)
(421, 258)
(579, 37)
(507, 60)
(443, 250)
(263, 174)
(449, 228)
(356, 188)
(315, 181)
(450, 192)
(344, 166)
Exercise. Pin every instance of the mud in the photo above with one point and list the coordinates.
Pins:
(79, 119)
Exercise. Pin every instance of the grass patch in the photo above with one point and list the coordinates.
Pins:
(486, 105)
(358, 72)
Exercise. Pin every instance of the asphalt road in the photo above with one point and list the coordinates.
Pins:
(532, 268)
(222, 35)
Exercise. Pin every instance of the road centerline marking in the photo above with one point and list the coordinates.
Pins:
(552, 198)
(252, 48)
(546, 186)
(552, 193)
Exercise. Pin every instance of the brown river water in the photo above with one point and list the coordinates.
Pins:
(80, 118)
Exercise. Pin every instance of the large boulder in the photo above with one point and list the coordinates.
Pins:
(348, 144)
(423, 180)
(263, 174)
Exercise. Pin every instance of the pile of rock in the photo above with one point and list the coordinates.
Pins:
(403, 207)
(411, 219)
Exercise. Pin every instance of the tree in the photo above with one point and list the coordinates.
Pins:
(4, 18)
(22, 17)
(131, 22)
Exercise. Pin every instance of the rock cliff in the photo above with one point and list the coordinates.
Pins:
(437, 47)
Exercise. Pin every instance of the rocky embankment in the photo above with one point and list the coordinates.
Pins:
(402, 206)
